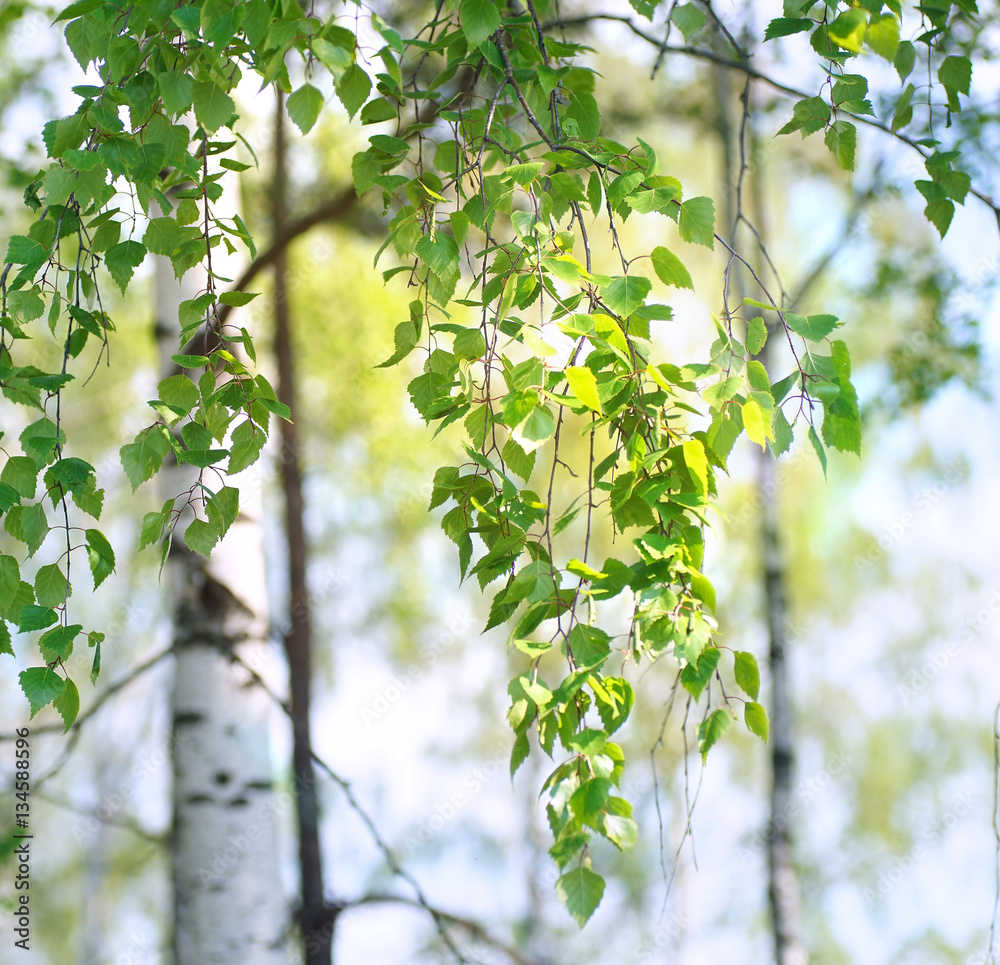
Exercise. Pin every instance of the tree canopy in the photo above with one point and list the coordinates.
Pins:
(502, 196)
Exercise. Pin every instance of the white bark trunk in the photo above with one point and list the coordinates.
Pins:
(229, 908)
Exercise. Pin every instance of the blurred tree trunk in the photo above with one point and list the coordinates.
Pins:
(228, 904)
(784, 893)
(315, 918)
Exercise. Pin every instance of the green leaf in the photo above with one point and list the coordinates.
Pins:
(590, 646)
(21, 474)
(142, 458)
(818, 447)
(747, 673)
(842, 139)
(78, 9)
(814, 327)
(29, 525)
(101, 556)
(11, 595)
(41, 686)
(154, 525)
(624, 294)
(57, 643)
(353, 89)
(223, 508)
(176, 91)
(756, 334)
(213, 107)
(955, 73)
(22, 250)
(786, 26)
(689, 20)
(697, 221)
(809, 115)
(237, 299)
(580, 891)
(36, 617)
(670, 269)
(709, 732)
(583, 385)
(248, 440)
(469, 343)
(122, 260)
(841, 420)
(5, 642)
(753, 422)
(304, 107)
(905, 60)
(201, 537)
(68, 704)
(51, 586)
(882, 36)
(180, 391)
(480, 20)
(695, 676)
(939, 213)
(65, 134)
(756, 720)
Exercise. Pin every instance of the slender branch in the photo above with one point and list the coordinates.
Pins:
(477, 931)
(700, 53)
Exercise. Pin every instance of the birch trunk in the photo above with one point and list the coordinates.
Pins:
(228, 904)
(784, 895)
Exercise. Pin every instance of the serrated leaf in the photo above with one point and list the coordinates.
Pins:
(753, 423)
(670, 269)
(304, 107)
(580, 891)
(51, 586)
(68, 704)
(695, 676)
(813, 327)
(842, 140)
(353, 88)
(786, 26)
(624, 294)
(57, 643)
(248, 440)
(213, 107)
(747, 673)
(756, 720)
(142, 458)
(101, 556)
(21, 474)
(201, 537)
(709, 732)
(956, 73)
(36, 617)
(696, 221)
(122, 260)
(689, 19)
(480, 20)
(41, 686)
(583, 385)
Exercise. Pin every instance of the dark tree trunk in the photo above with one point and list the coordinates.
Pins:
(315, 918)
